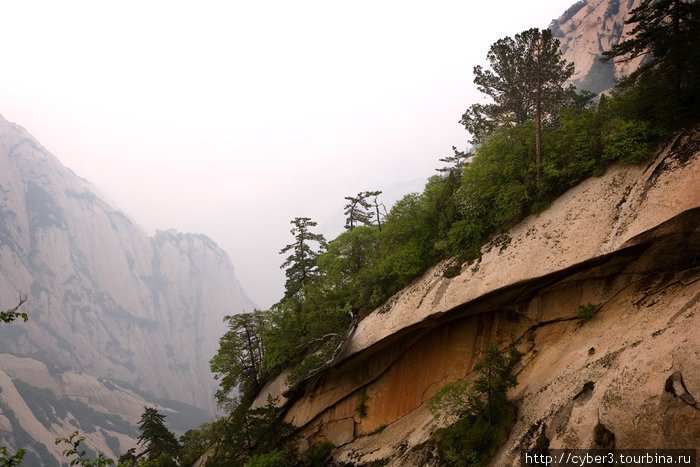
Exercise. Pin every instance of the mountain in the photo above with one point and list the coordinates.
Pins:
(585, 31)
(626, 244)
(106, 302)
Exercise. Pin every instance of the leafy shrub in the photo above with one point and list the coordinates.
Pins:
(362, 404)
(586, 312)
(484, 413)
(629, 141)
(472, 440)
(452, 270)
(11, 460)
(318, 454)
(274, 458)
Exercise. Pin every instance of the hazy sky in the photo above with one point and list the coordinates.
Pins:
(231, 118)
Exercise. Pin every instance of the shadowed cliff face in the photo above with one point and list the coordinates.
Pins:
(104, 299)
(627, 242)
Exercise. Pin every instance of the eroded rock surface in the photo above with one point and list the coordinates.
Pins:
(627, 242)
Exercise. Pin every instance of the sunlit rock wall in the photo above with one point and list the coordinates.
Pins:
(627, 242)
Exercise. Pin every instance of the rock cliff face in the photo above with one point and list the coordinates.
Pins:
(104, 298)
(627, 242)
(586, 30)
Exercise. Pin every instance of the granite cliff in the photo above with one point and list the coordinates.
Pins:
(585, 31)
(627, 242)
(107, 304)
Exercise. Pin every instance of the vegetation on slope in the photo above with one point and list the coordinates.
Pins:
(534, 140)
(479, 409)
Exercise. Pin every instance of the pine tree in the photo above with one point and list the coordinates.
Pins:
(360, 211)
(301, 264)
(456, 162)
(667, 34)
(526, 82)
(238, 362)
(357, 210)
(495, 376)
(546, 72)
(378, 215)
(158, 440)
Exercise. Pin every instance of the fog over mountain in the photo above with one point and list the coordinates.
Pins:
(104, 298)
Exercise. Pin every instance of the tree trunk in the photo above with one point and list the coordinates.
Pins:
(252, 358)
(678, 59)
(538, 124)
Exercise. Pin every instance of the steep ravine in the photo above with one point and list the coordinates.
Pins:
(627, 242)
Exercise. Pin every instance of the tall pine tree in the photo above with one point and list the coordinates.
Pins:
(238, 363)
(526, 82)
(300, 266)
(357, 210)
(667, 34)
(159, 442)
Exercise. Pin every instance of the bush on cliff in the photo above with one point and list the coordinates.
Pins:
(484, 413)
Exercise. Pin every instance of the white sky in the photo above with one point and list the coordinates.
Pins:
(231, 118)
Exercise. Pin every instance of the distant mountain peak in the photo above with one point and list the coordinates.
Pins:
(106, 299)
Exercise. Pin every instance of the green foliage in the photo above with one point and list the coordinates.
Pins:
(665, 33)
(129, 458)
(456, 162)
(407, 240)
(362, 404)
(238, 363)
(158, 441)
(300, 266)
(484, 414)
(586, 312)
(452, 270)
(12, 314)
(525, 81)
(475, 198)
(497, 186)
(348, 268)
(78, 455)
(318, 454)
(357, 210)
(451, 400)
(195, 442)
(246, 432)
(472, 440)
(274, 458)
(305, 336)
(11, 460)
(629, 140)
